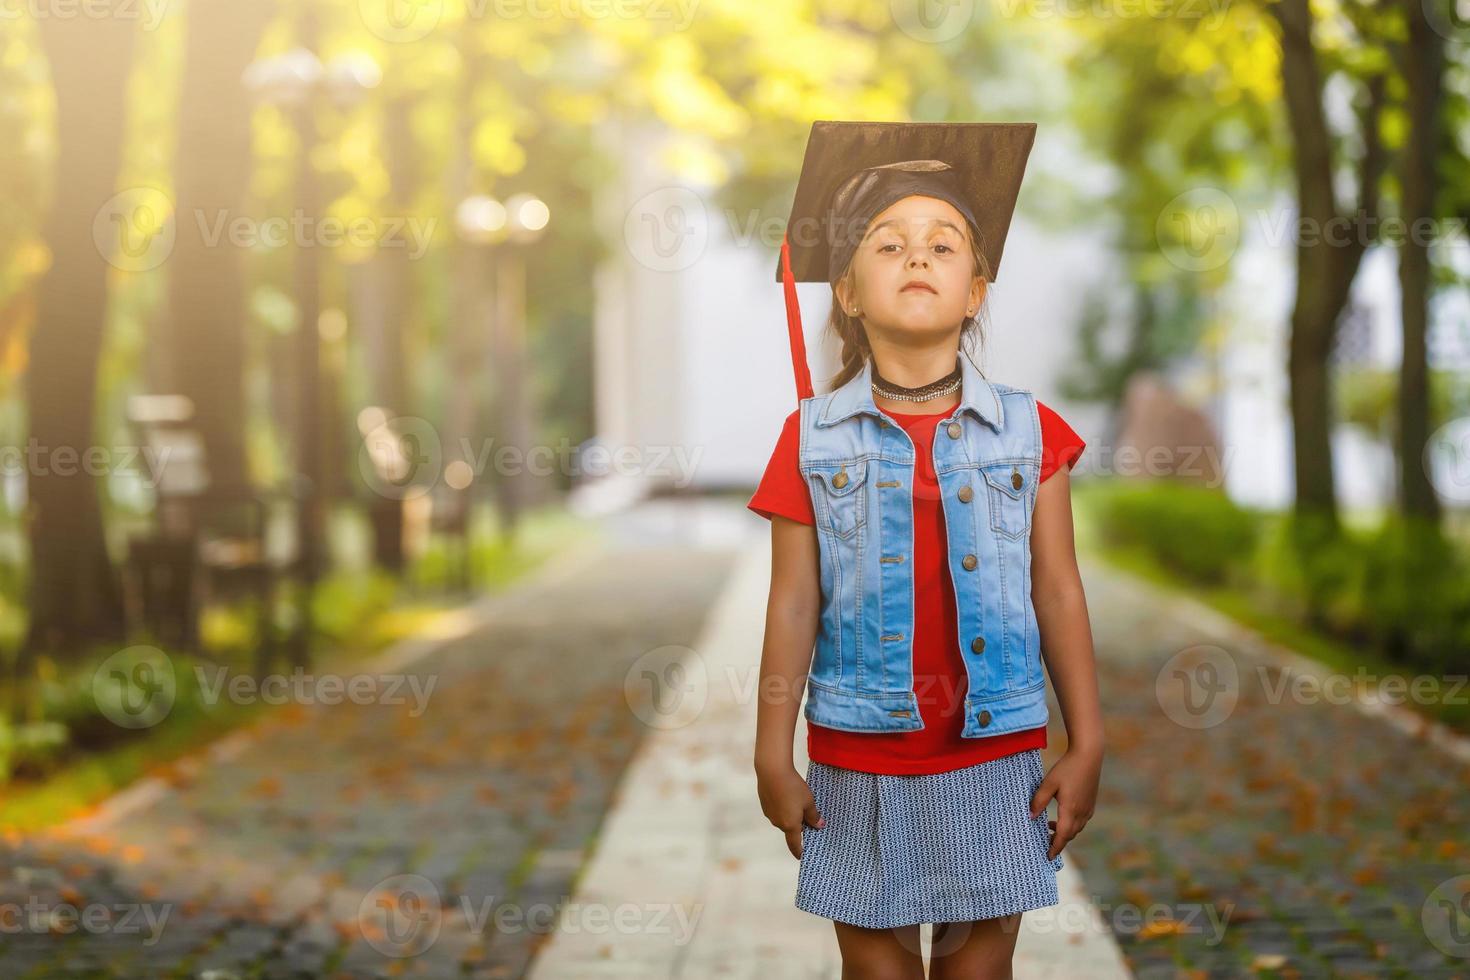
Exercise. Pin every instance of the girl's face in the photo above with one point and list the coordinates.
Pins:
(913, 273)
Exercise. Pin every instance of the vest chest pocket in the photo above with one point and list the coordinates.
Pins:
(1009, 486)
(837, 493)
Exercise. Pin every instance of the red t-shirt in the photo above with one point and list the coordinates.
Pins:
(939, 670)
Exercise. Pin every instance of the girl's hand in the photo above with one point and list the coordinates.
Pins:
(788, 803)
(1073, 781)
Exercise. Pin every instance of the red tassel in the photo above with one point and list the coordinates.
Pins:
(793, 326)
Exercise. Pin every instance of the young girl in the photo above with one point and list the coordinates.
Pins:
(922, 537)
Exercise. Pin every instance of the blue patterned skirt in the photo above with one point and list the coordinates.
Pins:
(954, 846)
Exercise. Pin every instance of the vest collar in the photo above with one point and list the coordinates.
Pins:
(976, 396)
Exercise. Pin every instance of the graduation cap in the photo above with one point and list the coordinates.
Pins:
(854, 170)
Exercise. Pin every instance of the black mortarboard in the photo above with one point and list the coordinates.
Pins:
(854, 170)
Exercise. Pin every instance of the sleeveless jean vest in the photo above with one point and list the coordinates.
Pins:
(859, 466)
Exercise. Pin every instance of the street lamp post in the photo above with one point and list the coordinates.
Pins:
(301, 85)
(505, 230)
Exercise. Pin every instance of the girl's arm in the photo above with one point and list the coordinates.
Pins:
(1066, 646)
(792, 612)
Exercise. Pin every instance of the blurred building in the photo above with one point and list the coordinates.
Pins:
(692, 364)
(693, 373)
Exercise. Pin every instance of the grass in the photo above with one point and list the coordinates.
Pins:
(80, 783)
(1243, 607)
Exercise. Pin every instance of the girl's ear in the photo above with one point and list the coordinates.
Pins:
(978, 288)
(842, 294)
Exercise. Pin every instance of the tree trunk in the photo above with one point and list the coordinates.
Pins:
(1423, 67)
(1327, 255)
(384, 329)
(205, 343)
(74, 593)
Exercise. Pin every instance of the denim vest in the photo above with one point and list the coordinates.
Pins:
(858, 464)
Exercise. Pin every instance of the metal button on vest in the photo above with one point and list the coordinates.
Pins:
(978, 644)
(969, 562)
(984, 718)
(966, 494)
(953, 429)
(840, 480)
(1016, 479)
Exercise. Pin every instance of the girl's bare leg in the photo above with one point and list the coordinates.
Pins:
(879, 954)
(974, 950)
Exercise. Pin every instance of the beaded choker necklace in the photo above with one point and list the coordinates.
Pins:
(934, 389)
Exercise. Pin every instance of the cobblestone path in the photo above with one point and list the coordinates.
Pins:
(278, 861)
(1247, 828)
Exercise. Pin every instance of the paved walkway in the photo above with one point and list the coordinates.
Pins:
(379, 839)
(1254, 820)
(604, 709)
(705, 882)
(1238, 832)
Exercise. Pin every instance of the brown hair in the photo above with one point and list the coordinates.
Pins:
(849, 329)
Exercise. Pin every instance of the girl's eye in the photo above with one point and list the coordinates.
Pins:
(884, 248)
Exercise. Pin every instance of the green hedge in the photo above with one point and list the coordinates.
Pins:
(1402, 588)
(1194, 530)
